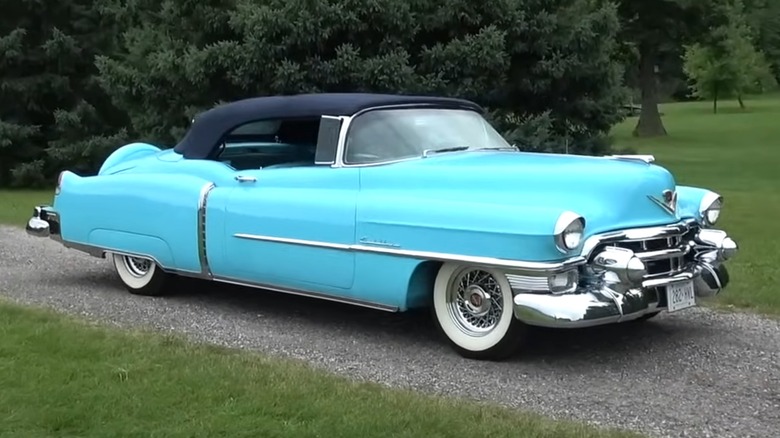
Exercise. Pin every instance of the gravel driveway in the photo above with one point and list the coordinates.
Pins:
(697, 373)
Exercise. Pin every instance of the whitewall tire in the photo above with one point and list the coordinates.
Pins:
(140, 275)
(473, 308)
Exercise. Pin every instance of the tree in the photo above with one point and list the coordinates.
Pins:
(46, 68)
(764, 17)
(521, 59)
(729, 64)
(656, 29)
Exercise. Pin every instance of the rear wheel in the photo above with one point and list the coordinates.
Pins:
(140, 275)
(473, 308)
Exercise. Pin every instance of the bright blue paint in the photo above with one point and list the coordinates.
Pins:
(504, 204)
(310, 203)
(688, 200)
(126, 157)
(152, 207)
(389, 280)
(484, 203)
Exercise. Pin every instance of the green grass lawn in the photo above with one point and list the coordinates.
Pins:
(736, 153)
(16, 206)
(60, 376)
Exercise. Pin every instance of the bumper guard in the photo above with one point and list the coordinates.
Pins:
(611, 294)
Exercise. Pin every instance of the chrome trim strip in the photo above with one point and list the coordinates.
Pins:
(309, 294)
(676, 278)
(637, 234)
(205, 270)
(706, 202)
(663, 254)
(661, 204)
(345, 120)
(291, 241)
(515, 265)
(564, 220)
(643, 158)
(101, 252)
(525, 283)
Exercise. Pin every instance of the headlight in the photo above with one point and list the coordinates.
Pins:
(709, 209)
(568, 231)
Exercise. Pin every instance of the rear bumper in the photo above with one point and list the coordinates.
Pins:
(604, 296)
(45, 222)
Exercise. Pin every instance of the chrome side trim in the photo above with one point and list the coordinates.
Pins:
(517, 266)
(643, 158)
(205, 270)
(101, 252)
(291, 241)
(309, 294)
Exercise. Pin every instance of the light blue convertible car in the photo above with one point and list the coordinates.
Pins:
(398, 202)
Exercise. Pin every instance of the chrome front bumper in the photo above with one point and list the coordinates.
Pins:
(45, 222)
(612, 288)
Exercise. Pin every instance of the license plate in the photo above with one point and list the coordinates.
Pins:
(680, 296)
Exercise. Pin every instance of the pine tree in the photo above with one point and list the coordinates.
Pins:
(47, 71)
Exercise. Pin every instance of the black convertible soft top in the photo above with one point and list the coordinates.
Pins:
(209, 127)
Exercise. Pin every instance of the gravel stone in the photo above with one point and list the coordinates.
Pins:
(698, 373)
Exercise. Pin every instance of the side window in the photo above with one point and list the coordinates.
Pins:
(263, 131)
(271, 143)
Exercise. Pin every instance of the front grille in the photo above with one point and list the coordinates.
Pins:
(664, 255)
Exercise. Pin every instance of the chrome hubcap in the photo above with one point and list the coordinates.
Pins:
(137, 266)
(475, 301)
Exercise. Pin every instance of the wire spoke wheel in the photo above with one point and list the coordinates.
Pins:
(473, 308)
(474, 301)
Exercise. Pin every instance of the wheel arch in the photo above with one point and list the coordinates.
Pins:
(420, 290)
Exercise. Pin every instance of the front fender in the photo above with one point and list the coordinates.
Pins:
(689, 201)
(457, 227)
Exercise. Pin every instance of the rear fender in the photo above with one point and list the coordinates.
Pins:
(122, 158)
(154, 215)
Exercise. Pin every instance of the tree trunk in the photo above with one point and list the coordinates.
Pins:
(715, 100)
(741, 103)
(650, 123)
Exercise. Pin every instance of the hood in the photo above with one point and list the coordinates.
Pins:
(609, 193)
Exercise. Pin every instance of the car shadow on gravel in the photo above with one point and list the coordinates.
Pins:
(418, 326)
(413, 327)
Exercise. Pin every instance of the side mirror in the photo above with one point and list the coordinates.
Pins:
(328, 140)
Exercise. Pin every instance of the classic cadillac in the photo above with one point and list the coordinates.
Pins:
(398, 202)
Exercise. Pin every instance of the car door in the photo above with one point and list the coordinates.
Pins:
(290, 227)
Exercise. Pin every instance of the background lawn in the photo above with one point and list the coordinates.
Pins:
(16, 206)
(737, 154)
(63, 377)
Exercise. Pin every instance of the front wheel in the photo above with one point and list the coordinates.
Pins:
(473, 308)
(140, 275)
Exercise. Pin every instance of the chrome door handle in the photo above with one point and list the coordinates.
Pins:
(241, 178)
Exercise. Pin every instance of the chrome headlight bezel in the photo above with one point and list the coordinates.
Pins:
(710, 208)
(569, 231)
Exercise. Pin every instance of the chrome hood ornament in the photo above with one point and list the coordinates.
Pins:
(668, 201)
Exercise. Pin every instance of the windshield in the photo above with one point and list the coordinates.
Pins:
(394, 134)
